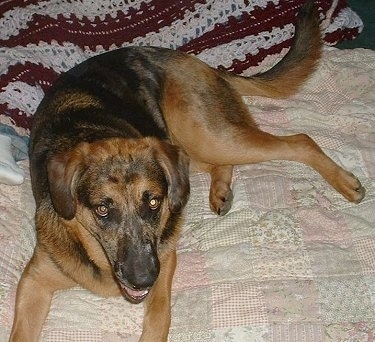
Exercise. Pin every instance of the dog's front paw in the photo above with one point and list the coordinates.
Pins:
(221, 200)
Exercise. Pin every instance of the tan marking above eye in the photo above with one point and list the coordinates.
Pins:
(154, 203)
(101, 210)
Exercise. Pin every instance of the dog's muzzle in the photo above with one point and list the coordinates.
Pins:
(137, 270)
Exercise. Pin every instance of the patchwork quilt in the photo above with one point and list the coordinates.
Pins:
(292, 260)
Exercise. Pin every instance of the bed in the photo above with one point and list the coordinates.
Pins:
(292, 260)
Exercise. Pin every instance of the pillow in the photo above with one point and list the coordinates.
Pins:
(40, 39)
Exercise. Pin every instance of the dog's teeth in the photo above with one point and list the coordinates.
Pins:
(135, 294)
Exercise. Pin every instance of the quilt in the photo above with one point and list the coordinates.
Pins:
(292, 260)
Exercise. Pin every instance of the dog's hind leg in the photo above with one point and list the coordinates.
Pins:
(252, 146)
(302, 148)
(39, 281)
(221, 195)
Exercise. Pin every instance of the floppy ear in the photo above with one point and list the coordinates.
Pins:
(63, 171)
(175, 164)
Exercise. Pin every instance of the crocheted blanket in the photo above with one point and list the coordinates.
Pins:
(40, 39)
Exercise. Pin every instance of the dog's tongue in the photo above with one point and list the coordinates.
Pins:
(136, 295)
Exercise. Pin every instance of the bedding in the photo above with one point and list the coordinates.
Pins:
(291, 261)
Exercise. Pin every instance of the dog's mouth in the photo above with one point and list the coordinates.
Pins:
(134, 295)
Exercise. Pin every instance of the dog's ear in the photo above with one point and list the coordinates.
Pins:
(64, 170)
(175, 164)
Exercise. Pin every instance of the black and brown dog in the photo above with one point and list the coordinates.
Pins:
(110, 150)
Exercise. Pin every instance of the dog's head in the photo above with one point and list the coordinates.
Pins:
(129, 194)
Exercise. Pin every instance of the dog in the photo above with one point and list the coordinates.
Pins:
(111, 147)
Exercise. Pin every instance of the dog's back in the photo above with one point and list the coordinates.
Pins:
(121, 93)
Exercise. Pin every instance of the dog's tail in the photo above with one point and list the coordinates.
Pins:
(298, 64)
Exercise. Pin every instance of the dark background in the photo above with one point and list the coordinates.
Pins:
(366, 10)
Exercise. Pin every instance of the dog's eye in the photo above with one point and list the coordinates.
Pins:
(154, 203)
(102, 210)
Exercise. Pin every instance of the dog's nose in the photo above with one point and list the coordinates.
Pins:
(143, 277)
(139, 266)
(143, 280)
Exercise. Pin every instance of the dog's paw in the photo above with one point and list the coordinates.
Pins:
(350, 187)
(221, 200)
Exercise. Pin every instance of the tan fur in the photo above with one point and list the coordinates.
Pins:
(77, 100)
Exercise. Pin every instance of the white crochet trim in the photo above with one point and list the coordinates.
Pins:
(237, 49)
(22, 96)
(211, 13)
(327, 20)
(58, 57)
(181, 31)
(346, 18)
(18, 18)
(63, 57)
